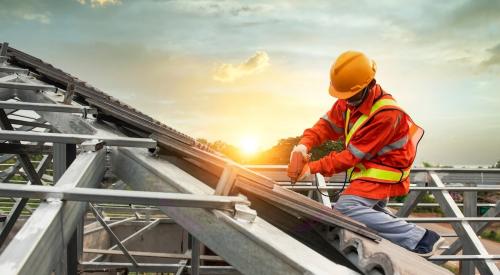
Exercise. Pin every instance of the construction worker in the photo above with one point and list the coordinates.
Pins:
(380, 146)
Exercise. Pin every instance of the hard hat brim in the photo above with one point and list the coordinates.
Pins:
(341, 95)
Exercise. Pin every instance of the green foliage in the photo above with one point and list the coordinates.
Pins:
(430, 165)
(453, 268)
(11, 161)
(226, 149)
(427, 198)
(427, 164)
(400, 199)
(37, 157)
(279, 153)
(497, 165)
(326, 148)
(493, 235)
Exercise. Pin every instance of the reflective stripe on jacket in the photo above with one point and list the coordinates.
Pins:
(381, 142)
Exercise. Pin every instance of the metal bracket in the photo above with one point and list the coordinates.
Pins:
(244, 213)
(154, 152)
(92, 145)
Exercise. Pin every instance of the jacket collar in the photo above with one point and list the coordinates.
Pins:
(366, 106)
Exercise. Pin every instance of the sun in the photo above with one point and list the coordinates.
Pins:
(249, 145)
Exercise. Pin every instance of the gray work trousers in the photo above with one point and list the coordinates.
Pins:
(375, 216)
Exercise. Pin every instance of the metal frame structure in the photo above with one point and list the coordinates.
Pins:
(252, 223)
(467, 225)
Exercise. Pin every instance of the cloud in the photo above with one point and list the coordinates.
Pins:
(494, 59)
(221, 8)
(100, 3)
(476, 13)
(40, 17)
(230, 72)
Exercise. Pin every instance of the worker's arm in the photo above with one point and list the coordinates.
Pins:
(366, 143)
(328, 127)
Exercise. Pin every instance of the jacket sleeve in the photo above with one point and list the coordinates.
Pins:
(329, 127)
(366, 143)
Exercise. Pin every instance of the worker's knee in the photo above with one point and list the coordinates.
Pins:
(348, 204)
(344, 206)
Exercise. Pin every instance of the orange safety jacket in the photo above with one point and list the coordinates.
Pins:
(380, 145)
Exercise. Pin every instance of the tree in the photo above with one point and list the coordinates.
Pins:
(427, 164)
(430, 165)
(326, 148)
(278, 154)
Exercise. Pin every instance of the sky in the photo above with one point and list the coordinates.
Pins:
(259, 70)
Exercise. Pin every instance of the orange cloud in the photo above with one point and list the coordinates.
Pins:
(230, 72)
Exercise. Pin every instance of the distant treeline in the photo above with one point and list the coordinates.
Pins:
(278, 154)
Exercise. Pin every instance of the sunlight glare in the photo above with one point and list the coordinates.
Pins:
(249, 145)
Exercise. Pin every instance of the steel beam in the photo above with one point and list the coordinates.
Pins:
(179, 256)
(111, 225)
(8, 78)
(121, 196)
(195, 256)
(52, 224)
(5, 69)
(267, 249)
(47, 107)
(27, 86)
(470, 210)
(113, 235)
(182, 267)
(23, 158)
(63, 155)
(463, 229)
(70, 93)
(3, 49)
(478, 229)
(76, 139)
(320, 182)
(10, 148)
(63, 122)
(5, 157)
(32, 174)
(150, 267)
(226, 181)
(410, 202)
(129, 238)
(20, 203)
(8, 173)
(30, 125)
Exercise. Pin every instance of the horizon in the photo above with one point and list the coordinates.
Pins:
(255, 72)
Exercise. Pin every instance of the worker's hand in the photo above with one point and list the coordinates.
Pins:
(298, 159)
(306, 172)
(302, 149)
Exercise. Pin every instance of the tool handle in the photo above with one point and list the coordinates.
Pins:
(295, 166)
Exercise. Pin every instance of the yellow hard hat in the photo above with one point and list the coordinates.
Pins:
(351, 72)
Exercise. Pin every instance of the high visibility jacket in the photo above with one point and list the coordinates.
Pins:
(380, 145)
